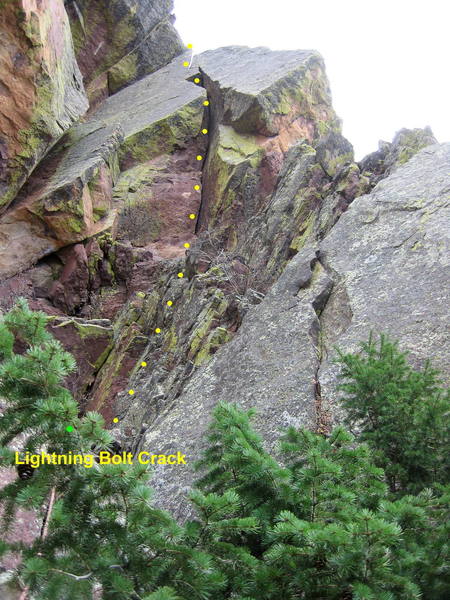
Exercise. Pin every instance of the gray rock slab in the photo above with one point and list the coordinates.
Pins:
(389, 256)
(270, 365)
(153, 98)
(383, 267)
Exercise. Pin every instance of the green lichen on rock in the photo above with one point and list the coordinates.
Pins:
(205, 320)
(216, 338)
(175, 130)
(135, 183)
(58, 98)
(234, 159)
(233, 147)
(119, 364)
(307, 229)
(410, 141)
(131, 39)
(123, 72)
(171, 340)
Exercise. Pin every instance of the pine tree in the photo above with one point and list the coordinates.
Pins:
(402, 413)
(325, 525)
(315, 520)
(102, 531)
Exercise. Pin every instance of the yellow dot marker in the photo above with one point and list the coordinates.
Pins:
(199, 157)
(187, 245)
(131, 392)
(169, 302)
(180, 275)
(186, 63)
(115, 420)
(204, 131)
(196, 187)
(143, 363)
(157, 330)
(206, 103)
(192, 216)
(197, 80)
(189, 46)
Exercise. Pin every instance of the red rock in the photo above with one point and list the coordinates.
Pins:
(71, 290)
(89, 341)
(41, 89)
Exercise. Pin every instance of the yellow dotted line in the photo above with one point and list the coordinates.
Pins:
(192, 216)
(186, 63)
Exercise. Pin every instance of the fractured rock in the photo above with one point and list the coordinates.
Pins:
(383, 267)
(69, 198)
(66, 200)
(389, 156)
(272, 122)
(90, 342)
(120, 41)
(41, 89)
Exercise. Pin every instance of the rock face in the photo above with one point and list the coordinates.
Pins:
(41, 89)
(270, 179)
(89, 342)
(389, 255)
(204, 233)
(276, 153)
(70, 196)
(119, 41)
(388, 157)
(383, 267)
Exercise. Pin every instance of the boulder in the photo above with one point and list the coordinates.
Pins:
(41, 88)
(118, 42)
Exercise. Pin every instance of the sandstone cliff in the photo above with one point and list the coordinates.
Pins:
(204, 218)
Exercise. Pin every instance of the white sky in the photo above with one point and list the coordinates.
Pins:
(387, 61)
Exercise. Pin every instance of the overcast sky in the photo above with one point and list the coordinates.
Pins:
(388, 62)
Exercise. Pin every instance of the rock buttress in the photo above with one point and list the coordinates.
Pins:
(41, 89)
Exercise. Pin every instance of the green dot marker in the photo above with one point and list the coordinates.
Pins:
(69, 428)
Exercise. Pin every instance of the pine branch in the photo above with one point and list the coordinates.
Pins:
(76, 577)
(43, 534)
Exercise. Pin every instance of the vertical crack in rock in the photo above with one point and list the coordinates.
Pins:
(208, 123)
(334, 316)
(319, 303)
